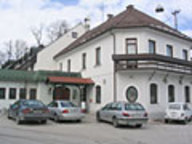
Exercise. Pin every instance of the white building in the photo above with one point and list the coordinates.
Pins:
(45, 57)
(132, 53)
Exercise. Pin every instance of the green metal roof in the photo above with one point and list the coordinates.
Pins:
(32, 76)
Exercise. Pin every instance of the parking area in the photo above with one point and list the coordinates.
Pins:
(91, 132)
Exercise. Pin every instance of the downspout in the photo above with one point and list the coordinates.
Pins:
(114, 69)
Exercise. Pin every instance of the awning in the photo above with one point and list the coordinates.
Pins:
(70, 80)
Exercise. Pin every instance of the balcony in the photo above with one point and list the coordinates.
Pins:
(152, 62)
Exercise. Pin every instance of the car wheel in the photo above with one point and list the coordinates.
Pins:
(18, 121)
(139, 125)
(185, 121)
(79, 121)
(8, 116)
(115, 122)
(43, 121)
(166, 121)
(56, 118)
(98, 117)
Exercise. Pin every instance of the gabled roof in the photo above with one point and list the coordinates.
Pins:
(129, 18)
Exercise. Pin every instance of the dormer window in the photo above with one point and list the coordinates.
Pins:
(74, 34)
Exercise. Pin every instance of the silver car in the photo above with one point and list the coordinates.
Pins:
(123, 113)
(65, 110)
(28, 110)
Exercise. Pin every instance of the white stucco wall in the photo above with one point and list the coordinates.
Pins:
(103, 75)
(142, 80)
(5, 84)
(45, 57)
(143, 35)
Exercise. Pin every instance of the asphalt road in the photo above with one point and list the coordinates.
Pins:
(91, 132)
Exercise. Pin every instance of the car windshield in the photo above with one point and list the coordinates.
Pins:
(33, 103)
(175, 107)
(134, 107)
(67, 104)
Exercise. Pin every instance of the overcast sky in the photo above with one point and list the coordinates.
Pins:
(17, 17)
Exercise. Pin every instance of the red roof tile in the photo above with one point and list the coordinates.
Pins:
(129, 18)
(70, 80)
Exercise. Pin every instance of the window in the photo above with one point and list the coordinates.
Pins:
(169, 51)
(131, 46)
(22, 93)
(98, 56)
(171, 93)
(12, 93)
(84, 56)
(132, 94)
(60, 66)
(185, 55)
(153, 94)
(98, 94)
(69, 65)
(33, 94)
(187, 94)
(152, 47)
(74, 34)
(2, 93)
(53, 104)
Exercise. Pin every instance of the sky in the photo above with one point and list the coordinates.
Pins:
(18, 17)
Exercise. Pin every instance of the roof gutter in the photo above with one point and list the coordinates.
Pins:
(114, 69)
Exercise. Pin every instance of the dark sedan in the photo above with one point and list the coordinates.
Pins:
(28, 110)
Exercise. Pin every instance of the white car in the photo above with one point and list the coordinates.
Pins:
(65, 110)
(178, 112)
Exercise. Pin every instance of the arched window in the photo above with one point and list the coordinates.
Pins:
(171, 93)
(187, 94)
(98, 94)
(153, 94)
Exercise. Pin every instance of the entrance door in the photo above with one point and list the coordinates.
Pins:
(61, 93)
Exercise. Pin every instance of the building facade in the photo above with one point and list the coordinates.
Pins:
(132, 53)
(42, 85)
(130, 56)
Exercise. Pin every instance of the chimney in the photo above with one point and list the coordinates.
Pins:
(87, 23)
(129, 7)
(109, 16)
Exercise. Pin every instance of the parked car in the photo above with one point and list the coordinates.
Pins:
(28, 110)
(123, 113)
(65, 110)
(178, 112)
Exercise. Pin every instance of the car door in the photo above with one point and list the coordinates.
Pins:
(53, 108)
(114, 111)
(187, 110)
(104, 112)
(14, 109)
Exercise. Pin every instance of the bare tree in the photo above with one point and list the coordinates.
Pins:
(37, 32)
(9, 49)
(20, 48)
(15, 50)
(2, 58)
(57, 29)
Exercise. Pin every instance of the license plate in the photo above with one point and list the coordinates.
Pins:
(37, 111)
(136, 115)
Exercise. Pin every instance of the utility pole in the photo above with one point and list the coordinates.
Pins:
(175, 13)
